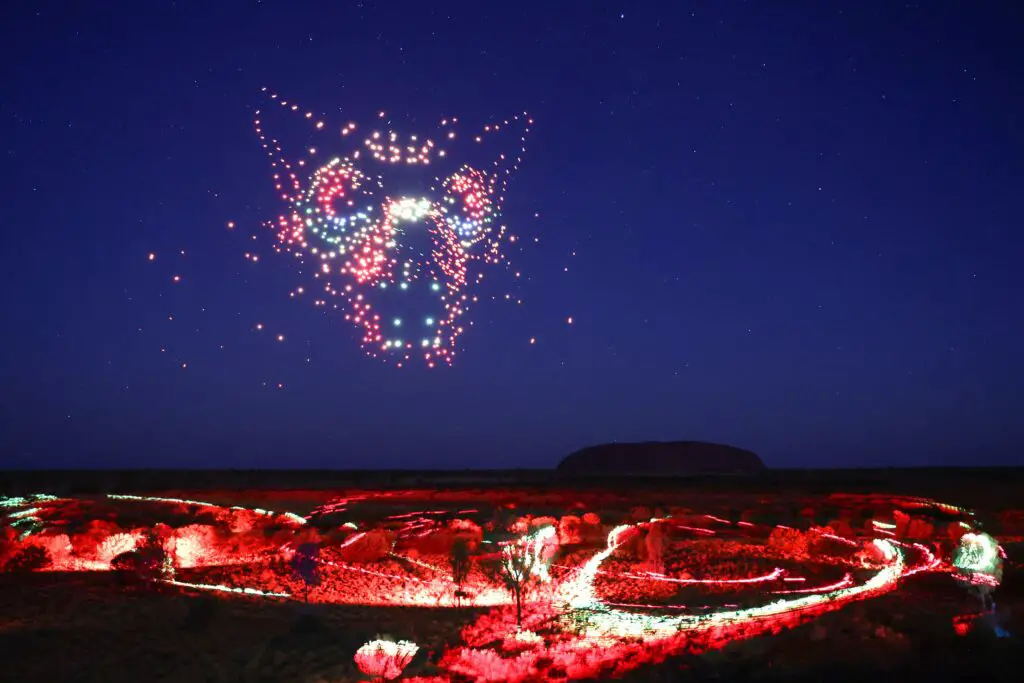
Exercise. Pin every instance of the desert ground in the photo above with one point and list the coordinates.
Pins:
(302, 577)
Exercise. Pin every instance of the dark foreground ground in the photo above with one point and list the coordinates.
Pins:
(87, 627)
(84, 629)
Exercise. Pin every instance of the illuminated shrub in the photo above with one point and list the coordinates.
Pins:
(30, 558)
(245, 546)
(460, 562)
(385, 659)
(487, 666)
(514, 569)
(239, 521)
(307, 534)
(467, 530)
(919, 530)
(818, 538)
(788, 542)
(281, 537)
(591, 531)
(436, 541)
(87, 544)
(366, 547)
(654, 543)
(543, 521)
(8, 544)
(521, 640)
(640, 513)
(955, 532)
(194, 545)
(139, 565)
(963, 624)
(58, 547)
(870, 554)
(305, 564)
(902, 520)
(119, 543)
(521, 525)
(841, 527)
(978, 560)
(569, 530)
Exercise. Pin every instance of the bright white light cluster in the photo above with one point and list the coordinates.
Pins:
(605, 621)
(385, 659)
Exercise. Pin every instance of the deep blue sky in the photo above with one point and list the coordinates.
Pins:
(796, 228)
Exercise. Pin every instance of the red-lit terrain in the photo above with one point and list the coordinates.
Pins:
(642, 584)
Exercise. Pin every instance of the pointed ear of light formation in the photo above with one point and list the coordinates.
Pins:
(396, 230)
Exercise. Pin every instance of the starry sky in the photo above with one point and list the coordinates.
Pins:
(789, 227)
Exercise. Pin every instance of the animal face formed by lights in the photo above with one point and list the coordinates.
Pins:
(404, 248)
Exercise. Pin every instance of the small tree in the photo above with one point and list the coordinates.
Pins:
(306, 565)
(460, 563)
(655, 543)
(515, 571)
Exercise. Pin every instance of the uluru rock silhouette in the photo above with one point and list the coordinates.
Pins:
(659, 458)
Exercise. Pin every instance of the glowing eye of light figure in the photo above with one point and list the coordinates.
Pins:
(337, 220)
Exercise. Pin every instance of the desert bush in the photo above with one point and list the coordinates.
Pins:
(467, 530)
(487, 666)
(521, 525)
(542, 521)
(9, 544)
(86, 543)
(521, 640)
(385, 659)
(640, 513)
(569, 530)
(195, 545)
(305, 564)
(789, 542)
(370, 546)
(116, 544)
(841, 528)
(437, 541)
(955, 531)
(239, 521)
(58, 547)
(514, 569)
(30, 558)
(654, 543)
(460, 563)
(919, 530)
(591, 530)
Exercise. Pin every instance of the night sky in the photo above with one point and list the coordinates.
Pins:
(789, 227)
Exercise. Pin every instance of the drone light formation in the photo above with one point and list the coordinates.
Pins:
(406, 262)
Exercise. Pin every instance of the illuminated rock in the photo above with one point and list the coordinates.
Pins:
(651, 459)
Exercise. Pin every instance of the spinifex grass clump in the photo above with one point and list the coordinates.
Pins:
(385, 659)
